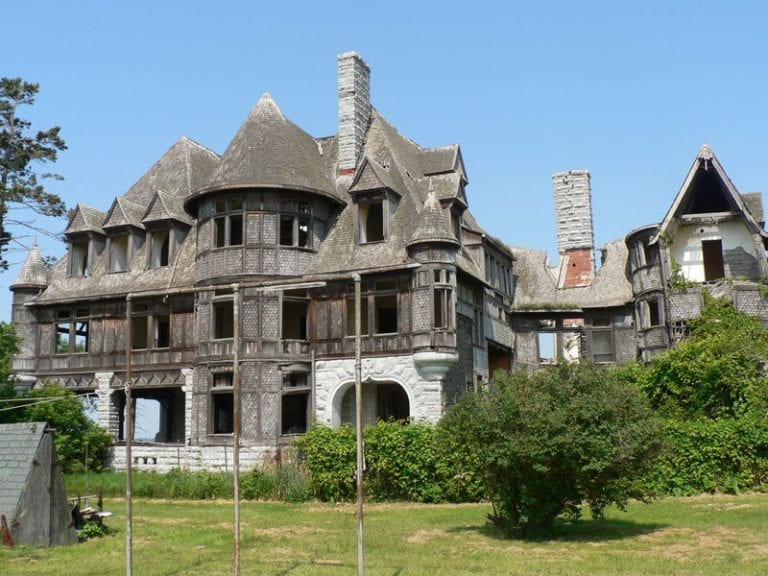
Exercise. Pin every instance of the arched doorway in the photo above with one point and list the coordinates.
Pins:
(381, 401)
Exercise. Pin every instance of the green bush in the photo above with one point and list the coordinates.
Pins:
(551, 440)
(330, 458)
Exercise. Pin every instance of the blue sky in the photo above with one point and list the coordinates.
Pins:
(627, 90)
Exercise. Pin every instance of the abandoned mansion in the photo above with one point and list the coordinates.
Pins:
(211, 268)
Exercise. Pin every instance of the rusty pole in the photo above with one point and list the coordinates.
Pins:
(359, 425)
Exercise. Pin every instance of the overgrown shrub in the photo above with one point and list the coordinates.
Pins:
(551, 440)
(330, 458)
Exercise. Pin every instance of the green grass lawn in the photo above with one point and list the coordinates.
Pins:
(706, 535)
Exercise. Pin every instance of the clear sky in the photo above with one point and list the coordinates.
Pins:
(628, 90)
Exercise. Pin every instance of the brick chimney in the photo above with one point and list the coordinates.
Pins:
(354, 109)
(575, 235)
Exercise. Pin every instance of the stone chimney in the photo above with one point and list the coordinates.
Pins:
(575, 235)
(354, 109)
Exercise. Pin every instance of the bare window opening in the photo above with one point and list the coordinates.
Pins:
(160, 249)
(158, 414)
(222, 413)
(147, 427)
(712, 252)
(442, 315)
(547, 342)
(162, 329)
(236, 230)
(602, 346)
(222, 380)
(220, 229)
(286, 230)
(654, 315)
(386, 313)
(80, 266)
(139, 332)
(62, 337)
(295, 224)
(228, 228)
(118, 253)
(294, 413)
(363, 315)
(223, 319)
(371, 225)
(294, 320)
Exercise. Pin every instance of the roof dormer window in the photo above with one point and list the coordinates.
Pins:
(373, 215)
(79, 258)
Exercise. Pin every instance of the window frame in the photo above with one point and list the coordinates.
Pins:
(381, 198)
(228, 223)
(295, 213)
(78, 328)
(302, 389)
(221, 393)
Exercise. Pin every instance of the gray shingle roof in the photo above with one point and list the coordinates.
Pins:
(86, 219)
(270, 151)
(432, 225)
(165, 206)
(185, 167)
(18, 446)
(124, 213)
(32, 273)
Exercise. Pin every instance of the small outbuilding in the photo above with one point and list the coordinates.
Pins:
(33, 499)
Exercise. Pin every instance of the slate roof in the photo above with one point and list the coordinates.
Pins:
(536, 284)
(432, 224)
(270, 151)
(166, 206)
(18, 446)
(33, 273)
(183, 168)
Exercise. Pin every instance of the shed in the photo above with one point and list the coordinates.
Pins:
(33, 498)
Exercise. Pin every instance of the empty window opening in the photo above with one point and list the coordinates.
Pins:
(442, 309)
(712, 252)
(162, 331)
(363, 316)
(147, 425)
(158, 414)
(547, 343)
(654, 315)
(602, 346)
(384, 401)
(386, 313)
(295, 403)
(294, 320)
(222, 412)
(139, 326)
(223, 319)
(371, 221)
(118, 253)
(80, 265)
(228, 227)
(160, 249)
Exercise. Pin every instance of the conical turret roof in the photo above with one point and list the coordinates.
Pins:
(432, 225)
(33, 273)
(270, 151)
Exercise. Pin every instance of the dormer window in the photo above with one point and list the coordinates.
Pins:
(118, 253)
(373, 214)
(456, 223)
(80, 261)
(228, 223)
(159, 249)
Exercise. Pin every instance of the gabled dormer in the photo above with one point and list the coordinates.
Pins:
(375, 198)
(125, 234)
(86, 239)
(710, 231)
(167, 225)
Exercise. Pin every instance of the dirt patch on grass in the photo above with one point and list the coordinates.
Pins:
(421, 536)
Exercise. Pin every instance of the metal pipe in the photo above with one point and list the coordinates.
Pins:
(359, 424)
(128, 430)
(236, 420)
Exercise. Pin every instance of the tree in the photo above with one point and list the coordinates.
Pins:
(548, 441)
(77, 438)
(20, 152)
(9, 345)
(718, 371)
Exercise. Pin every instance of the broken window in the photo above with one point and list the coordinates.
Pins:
(118, 253)
(442, 315)
(386, 313)
(295, 224)
(223, 319)
(159, 248)
(379, 310)
(295, 404)
(72, 331)
(139, 326)
(712, 254)
(650, 313)
(162, 331)
(79, 258)
(228, 223)
(602, 346)
(294, 319)
(222, 403)
(372, 220)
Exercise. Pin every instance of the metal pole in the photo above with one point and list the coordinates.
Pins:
(236, 421)
(359, 425)
(128, 429)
